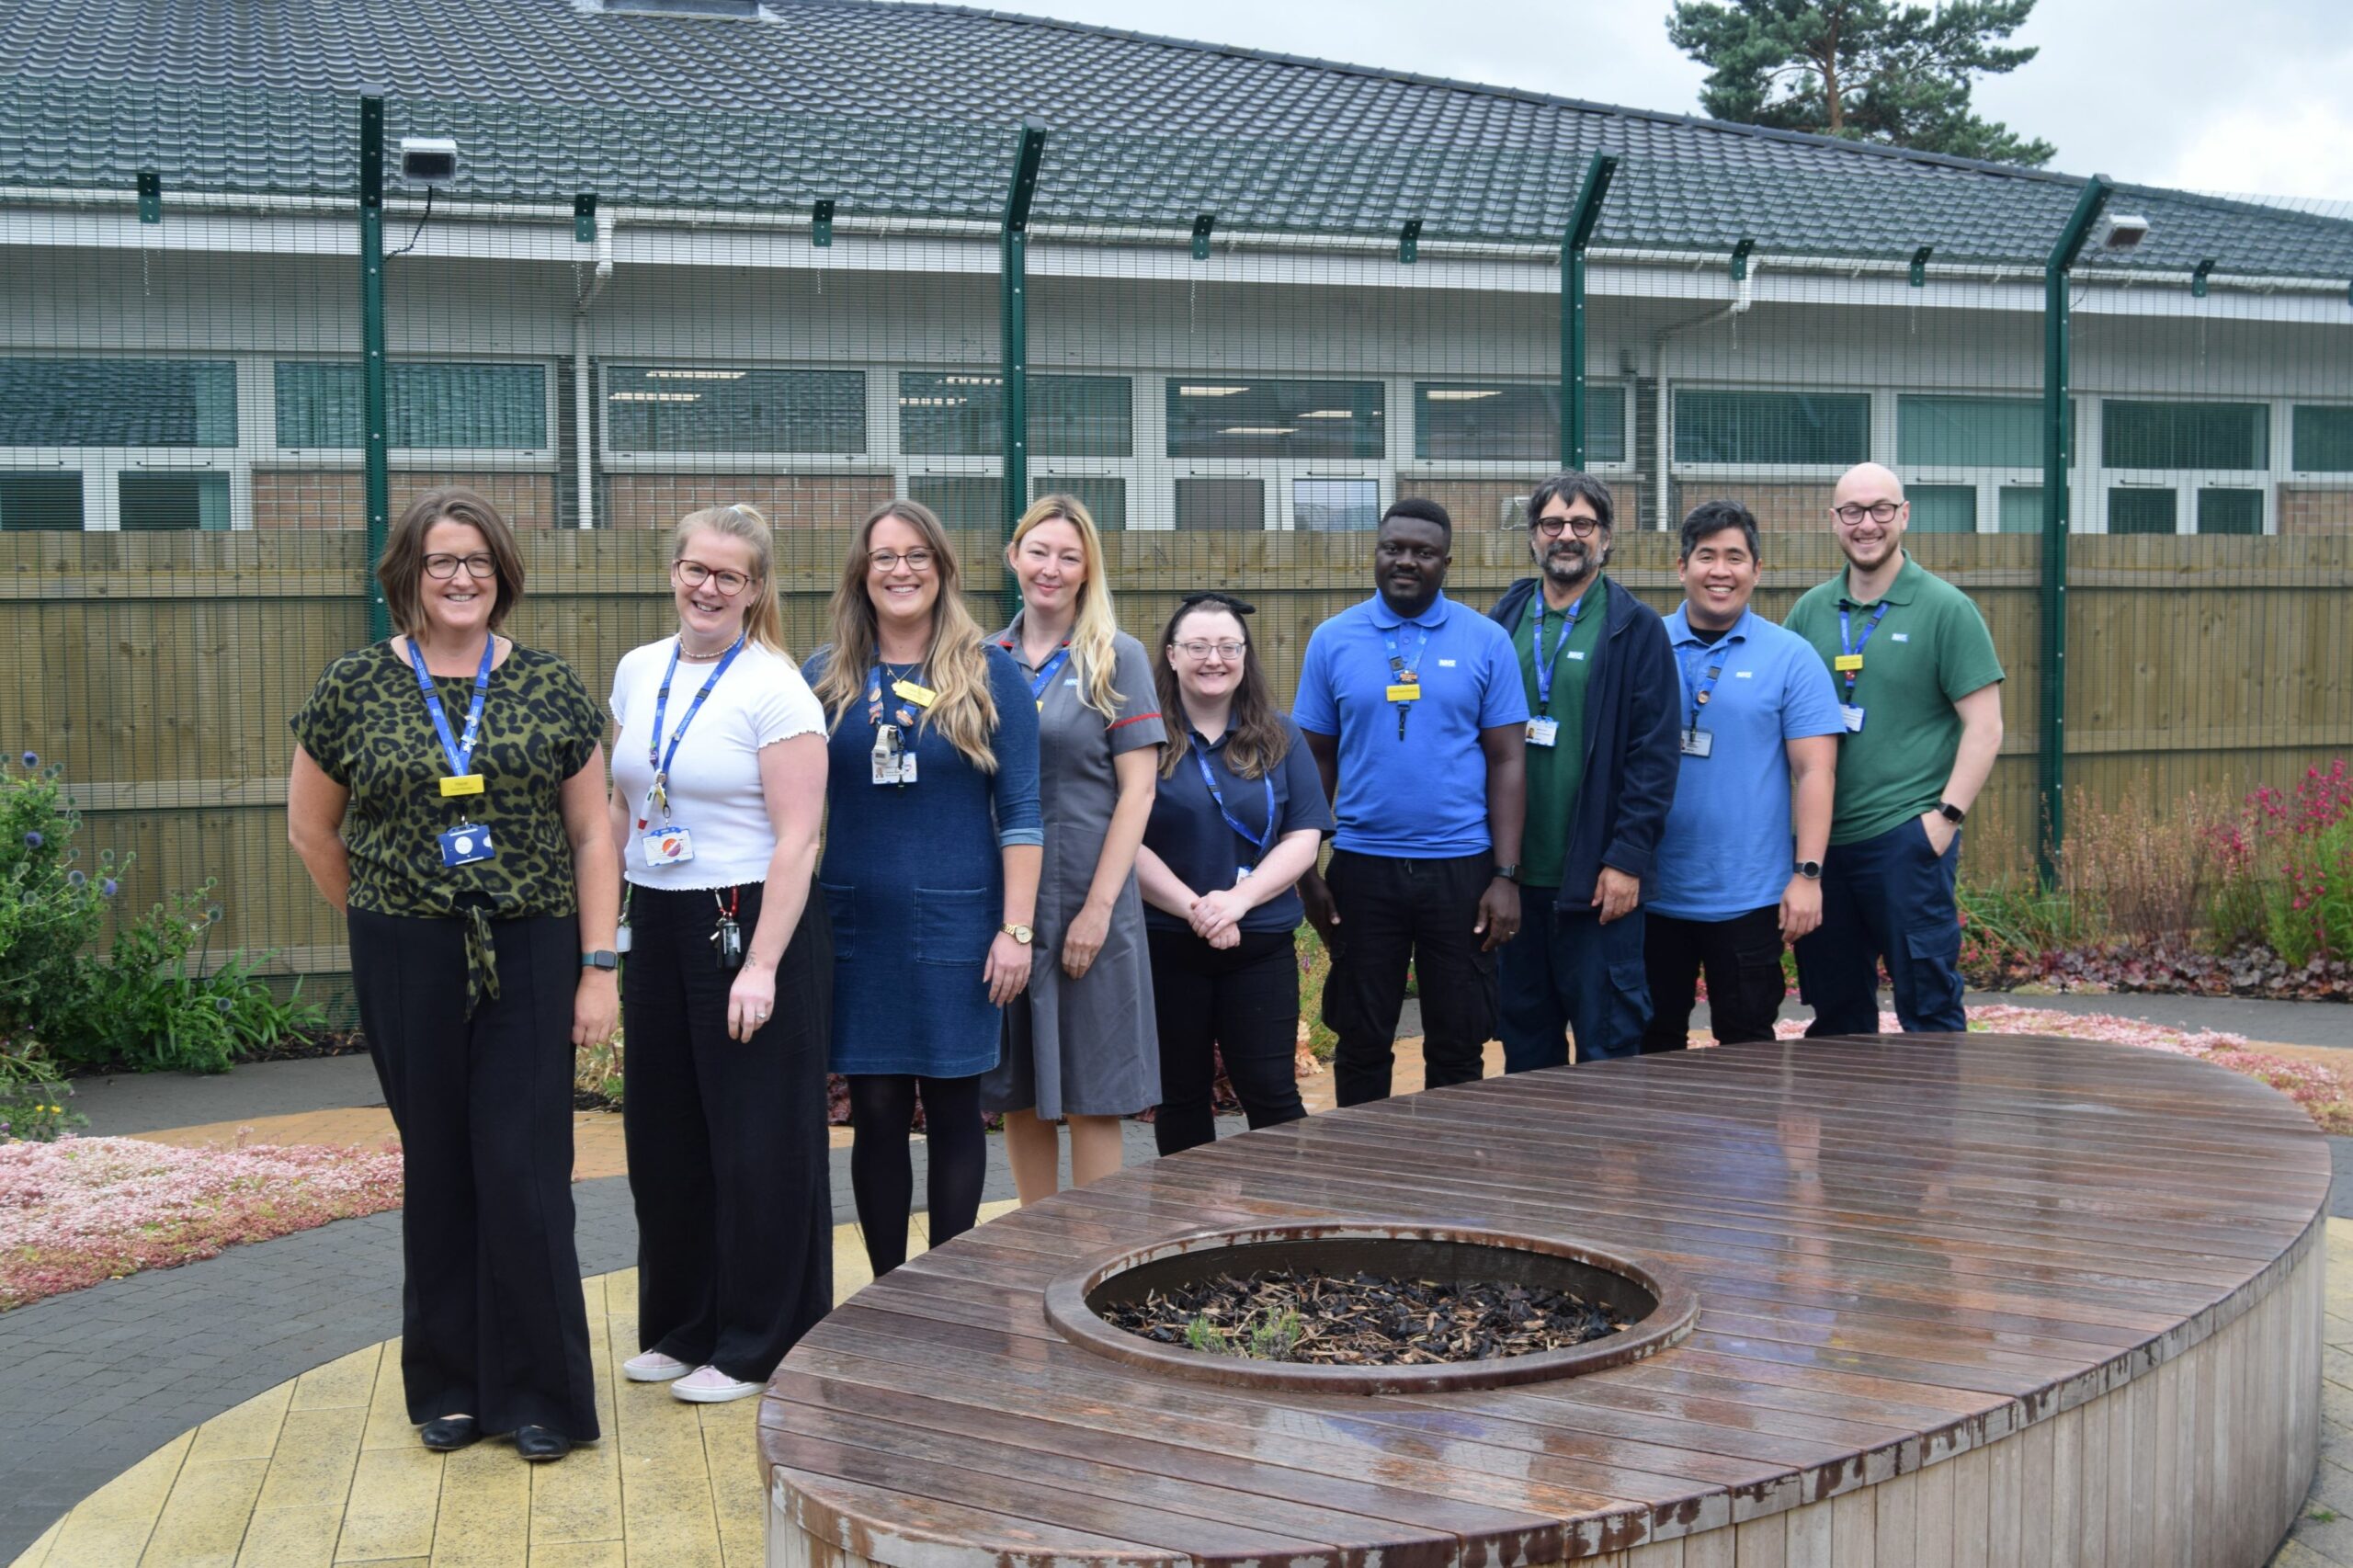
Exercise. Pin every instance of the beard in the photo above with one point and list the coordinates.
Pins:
(1570, 560)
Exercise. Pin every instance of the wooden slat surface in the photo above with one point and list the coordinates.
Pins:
(1905, 1251)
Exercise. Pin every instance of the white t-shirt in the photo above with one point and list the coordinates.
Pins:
(714, 782)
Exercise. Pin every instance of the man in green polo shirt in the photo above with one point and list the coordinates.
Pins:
(1919, 691)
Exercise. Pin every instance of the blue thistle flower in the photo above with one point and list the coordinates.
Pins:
(108, 887)
(33, 839)
(221, 1003)
(75, 880)
(32, 759)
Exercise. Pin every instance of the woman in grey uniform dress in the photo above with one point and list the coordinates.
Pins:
(1080, 1045)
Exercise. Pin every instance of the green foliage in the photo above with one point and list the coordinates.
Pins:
(154, 998)
(2004, 924)
(1272, 1337)
(2308, 913)
(1314, 968)
(32, 1097)
(1202, 1336)
(1881, 70)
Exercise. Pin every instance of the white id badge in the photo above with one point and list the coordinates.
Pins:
(465, 844)
(620, 937)
(668, 846)
(1852, 717)
(1543, 732)
(1698, 742)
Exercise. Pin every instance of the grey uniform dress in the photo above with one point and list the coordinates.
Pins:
(1086, 1047)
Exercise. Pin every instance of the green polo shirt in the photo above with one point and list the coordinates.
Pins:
(1555, 772)
(1931, 650)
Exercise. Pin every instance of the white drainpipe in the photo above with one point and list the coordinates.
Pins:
(1663, 452)
(584, 401)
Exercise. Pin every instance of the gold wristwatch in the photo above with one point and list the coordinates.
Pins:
(1021, 934)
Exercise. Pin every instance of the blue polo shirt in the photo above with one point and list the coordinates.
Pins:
(1423, 796)
(1728, 844)
(1189, 831)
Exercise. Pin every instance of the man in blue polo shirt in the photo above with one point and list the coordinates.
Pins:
(1759, 726)
(1412, 708)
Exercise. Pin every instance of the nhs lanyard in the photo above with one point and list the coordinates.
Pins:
(1258, 841)
(459, 750)
(1852, 665)
(1404, 674)
(1045, 675)
(1701, 688)
(1544, 664)
(655, 758)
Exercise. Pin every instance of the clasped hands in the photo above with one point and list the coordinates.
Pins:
(1217, 916)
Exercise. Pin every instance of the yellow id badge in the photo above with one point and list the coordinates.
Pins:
(921, 696)
(1404, 694)
(461, 784)
(1844, 662)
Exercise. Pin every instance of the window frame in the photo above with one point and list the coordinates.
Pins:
(514, 459)
(1410, 464)
(2185, 482)
(102, 468)
(1989, 480)
(1875, 398)
(627, 460)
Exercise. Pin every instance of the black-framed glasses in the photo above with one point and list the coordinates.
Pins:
(441, 568)
(694, 575)
(1878, 512)
(1551, 526)
(888, 560)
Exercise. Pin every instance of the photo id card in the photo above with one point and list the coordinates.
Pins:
(670, 844)
(1698, 742)
(892, 763)
(1543, 732)
(465, 844)
(1852, 717)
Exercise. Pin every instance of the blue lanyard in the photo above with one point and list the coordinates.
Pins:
(655, 758)
(903, 714)
(1046, 673)
(1258, 841)
(1850, 643)
(1701, 690)
(460, 751)
(1544, 664)
(1401, 670)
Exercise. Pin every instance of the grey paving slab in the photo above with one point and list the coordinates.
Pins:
(127, 1102)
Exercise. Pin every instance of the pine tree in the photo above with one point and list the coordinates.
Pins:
(1881, 71)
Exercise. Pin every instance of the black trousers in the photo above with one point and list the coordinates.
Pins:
(727, 1150)
(1241, 1003)
(1393, 912)
(1742, 957)
(493, 1322)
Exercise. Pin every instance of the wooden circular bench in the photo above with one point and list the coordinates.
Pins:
(1967, 1300)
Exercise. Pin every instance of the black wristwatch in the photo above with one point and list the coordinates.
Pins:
(1510, 873)
(1951, 813)
(1810, 870)
(601, 958)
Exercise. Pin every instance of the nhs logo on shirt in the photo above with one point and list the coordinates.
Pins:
(1900, 636)
(1445, 663)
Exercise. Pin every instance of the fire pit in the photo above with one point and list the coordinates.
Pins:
(1643, 1308)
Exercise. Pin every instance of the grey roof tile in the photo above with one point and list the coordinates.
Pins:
(910, 109)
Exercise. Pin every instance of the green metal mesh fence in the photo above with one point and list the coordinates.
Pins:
(1236, 352)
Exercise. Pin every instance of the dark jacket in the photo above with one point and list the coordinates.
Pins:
(1631, 751)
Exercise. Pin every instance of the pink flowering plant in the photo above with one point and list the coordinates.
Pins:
(2288, 870)
(81, 1210)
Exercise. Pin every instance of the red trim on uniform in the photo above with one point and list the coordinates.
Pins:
(1137, 719)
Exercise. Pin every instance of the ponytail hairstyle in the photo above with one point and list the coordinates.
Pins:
(955, 660)
(1094, 658)
(1257, 740)
(763, 617)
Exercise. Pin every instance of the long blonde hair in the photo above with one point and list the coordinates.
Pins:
(1091, 633)
(763, 617)
(955, 663)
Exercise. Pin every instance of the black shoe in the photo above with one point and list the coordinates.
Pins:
(542, 1445)
(448, 1433)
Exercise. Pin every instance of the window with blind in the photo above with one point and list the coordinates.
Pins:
(427, 406)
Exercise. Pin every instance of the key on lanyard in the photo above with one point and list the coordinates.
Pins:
(655, 758)
(460, 779)
(1044, 678)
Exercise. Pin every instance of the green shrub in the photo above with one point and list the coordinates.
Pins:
(1314, 968)
(32, 1097)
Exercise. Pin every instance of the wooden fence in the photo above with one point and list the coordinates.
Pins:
(160, 669)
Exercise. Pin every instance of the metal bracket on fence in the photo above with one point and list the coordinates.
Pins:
(1409, 243)
(2198, 278)
(1920, 265)
(150, 197)
(583, 218)
(821, 223)
(1740, 259)
(1202, 224)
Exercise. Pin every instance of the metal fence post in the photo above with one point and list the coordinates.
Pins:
(2058, 440)
(378, 483)
(1012, 252)
(1598, 175)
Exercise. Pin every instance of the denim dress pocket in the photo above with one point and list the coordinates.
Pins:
(954, 926)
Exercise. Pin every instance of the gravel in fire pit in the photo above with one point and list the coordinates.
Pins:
(1363, 1320)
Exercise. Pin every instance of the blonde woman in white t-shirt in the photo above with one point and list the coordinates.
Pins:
(719, 787)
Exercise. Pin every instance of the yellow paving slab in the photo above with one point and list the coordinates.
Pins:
(203, 1522)
(596, 1148)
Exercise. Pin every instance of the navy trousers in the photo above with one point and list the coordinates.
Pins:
(1567, 972)
(1889, 897)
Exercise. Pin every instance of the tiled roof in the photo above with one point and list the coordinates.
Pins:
(910, 108)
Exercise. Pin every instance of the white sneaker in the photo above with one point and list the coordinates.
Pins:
(709, 1385)
(653, 1368)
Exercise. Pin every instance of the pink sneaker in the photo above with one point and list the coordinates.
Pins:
(653, 1368)
(709, 1385)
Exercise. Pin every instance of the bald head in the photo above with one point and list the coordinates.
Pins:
(1866, 482)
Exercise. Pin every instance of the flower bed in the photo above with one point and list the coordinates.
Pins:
(84, 1209)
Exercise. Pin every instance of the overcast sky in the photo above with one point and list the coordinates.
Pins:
(2255, 96)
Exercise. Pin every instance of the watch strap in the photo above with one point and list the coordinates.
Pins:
(602, 958)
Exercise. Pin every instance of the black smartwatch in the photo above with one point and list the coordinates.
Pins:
(601, 958)
(1810, 870)
(1510, 873)
(1951, 813)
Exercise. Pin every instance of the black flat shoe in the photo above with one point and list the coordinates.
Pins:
(542, 1445)
(449, 1433)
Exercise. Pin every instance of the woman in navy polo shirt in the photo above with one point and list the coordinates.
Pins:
(1239, 813)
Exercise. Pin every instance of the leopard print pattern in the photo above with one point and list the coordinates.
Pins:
(367, 727)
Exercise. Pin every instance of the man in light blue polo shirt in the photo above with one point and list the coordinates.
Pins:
(1759, 726)
(1411, 706)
